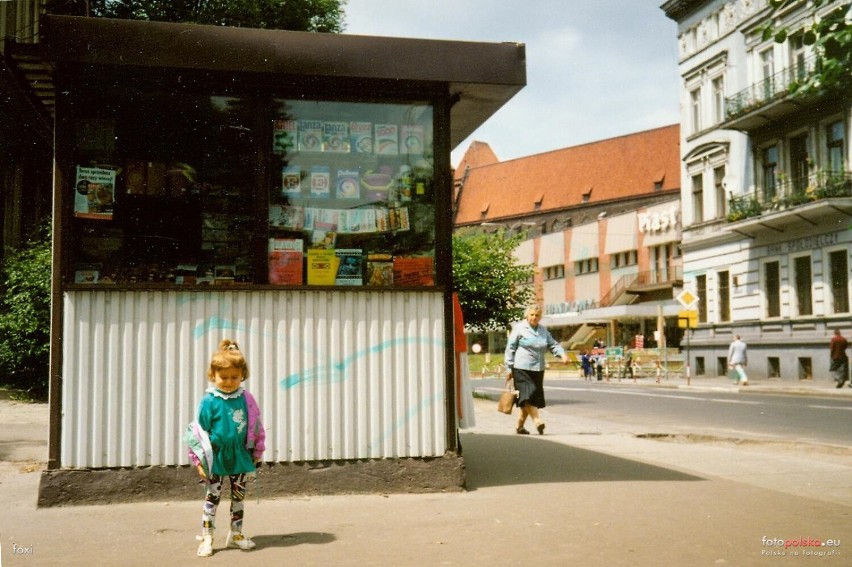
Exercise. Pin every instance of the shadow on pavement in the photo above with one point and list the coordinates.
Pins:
(505, 460)
(291, 540)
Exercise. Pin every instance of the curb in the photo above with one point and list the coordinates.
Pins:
(827, 392)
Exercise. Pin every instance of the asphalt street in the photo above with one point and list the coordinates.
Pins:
(793, 416)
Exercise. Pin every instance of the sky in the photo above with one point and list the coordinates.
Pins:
(596, 69)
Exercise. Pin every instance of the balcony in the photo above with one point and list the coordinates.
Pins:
(770, 99)
(788, 203)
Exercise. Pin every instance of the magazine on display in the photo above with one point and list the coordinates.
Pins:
(286, 261)
(322, 266)
(349, 270)
(94, 194)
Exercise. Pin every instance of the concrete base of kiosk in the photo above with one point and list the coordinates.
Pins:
(65, 487)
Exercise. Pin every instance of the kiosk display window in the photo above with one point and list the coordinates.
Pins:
(169, 186)
(351, 201)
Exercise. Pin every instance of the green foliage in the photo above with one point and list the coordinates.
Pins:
(830, 36)
(489, 281)
(300, 15)
(25, 315)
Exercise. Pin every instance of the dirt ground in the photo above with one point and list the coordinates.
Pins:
(23, 436)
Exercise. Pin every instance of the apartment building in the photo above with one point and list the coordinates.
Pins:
(766, 189)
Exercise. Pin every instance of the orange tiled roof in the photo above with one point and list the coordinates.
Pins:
(609, 169)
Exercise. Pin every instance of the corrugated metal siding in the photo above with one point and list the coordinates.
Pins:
(337, 375)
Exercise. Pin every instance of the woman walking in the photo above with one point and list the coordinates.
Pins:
(524, 358)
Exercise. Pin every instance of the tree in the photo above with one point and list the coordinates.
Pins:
(830, 35)
(299, 15)
(25, 314)
(488, 279)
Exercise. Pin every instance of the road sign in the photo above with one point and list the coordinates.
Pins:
(687, 299)
(687, 319)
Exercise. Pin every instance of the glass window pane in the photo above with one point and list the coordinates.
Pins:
(351, 194)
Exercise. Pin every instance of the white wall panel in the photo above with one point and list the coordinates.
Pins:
(337, 375)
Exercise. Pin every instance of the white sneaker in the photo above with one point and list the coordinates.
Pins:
(237, 539)
(205, 548)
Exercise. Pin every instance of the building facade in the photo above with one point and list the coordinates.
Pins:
(602, 226)
(766, 190)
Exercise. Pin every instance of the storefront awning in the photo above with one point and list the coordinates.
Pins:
(604, 315)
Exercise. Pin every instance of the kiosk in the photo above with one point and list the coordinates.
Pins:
(288, 190)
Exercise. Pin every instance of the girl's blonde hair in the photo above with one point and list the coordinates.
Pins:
(228, 356)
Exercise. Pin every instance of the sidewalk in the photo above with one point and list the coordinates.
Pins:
(583, 494)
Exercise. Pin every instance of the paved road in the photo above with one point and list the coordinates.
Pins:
(792, 417)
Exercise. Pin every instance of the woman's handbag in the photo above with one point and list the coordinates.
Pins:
(506, 401)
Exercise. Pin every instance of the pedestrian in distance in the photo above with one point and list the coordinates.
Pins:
(839, 360)
(600, 360)
(226, 442)
(738, 359)
(628, 362)
(524, 358)
(586, 365)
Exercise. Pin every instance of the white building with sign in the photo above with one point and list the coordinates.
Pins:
(766, 190)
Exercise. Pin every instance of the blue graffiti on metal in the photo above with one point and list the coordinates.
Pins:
(336, 372)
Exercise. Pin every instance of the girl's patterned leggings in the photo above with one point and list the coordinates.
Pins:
(214, 494)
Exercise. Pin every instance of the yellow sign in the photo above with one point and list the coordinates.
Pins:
(687, 299)
(687, 319)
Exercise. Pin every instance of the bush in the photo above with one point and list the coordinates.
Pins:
(25, 315)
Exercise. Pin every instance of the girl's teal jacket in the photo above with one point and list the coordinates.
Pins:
(201, 450)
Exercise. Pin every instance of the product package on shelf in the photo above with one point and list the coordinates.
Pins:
(310, 135)
(348, 185)
(411, 136)
(386, 140)
(284, 134)
(361, 137)
(335, 137)
(320, 181)
(377, 183)
(291, 180)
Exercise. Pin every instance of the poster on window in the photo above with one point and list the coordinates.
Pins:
(94, 193)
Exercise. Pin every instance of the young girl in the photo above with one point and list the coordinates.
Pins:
(227, 441)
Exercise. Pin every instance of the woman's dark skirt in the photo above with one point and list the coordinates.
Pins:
(529, 384)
